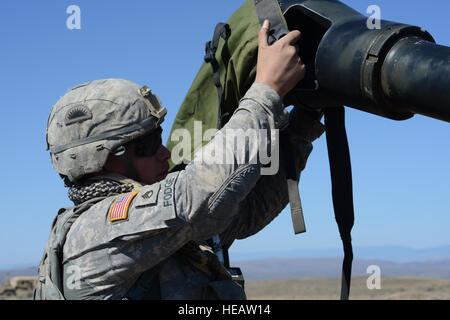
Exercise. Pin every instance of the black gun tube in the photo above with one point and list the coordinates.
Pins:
(416, 76)
(394, 70)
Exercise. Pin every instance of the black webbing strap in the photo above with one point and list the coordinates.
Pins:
(338, 153)
(222, 30)
(288, 161)
(270, 10)
(341, 185)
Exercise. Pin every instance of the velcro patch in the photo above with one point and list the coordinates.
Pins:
(148, 196)
(119, 209)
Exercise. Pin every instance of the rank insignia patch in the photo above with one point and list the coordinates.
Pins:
(119, 209)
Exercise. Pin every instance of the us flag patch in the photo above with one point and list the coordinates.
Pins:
(119, 209)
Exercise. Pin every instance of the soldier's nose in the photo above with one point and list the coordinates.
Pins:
(163, 154)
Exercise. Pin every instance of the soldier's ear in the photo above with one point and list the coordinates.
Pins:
(112, 164)
(119, 161)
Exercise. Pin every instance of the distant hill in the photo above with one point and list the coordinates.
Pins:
(267, 269)
(397, 254)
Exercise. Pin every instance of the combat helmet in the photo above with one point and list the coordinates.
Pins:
(95, 119)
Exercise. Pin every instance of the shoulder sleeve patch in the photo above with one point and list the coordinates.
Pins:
(149, 211)
(119, 208)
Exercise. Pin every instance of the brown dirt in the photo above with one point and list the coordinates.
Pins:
(395, 288)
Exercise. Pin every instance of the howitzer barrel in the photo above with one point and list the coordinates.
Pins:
(416, 76)
(394, 70)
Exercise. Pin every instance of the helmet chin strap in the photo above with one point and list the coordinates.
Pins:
(122, 155)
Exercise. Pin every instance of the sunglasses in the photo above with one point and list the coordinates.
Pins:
(148, 145)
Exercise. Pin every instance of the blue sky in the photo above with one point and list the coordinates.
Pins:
(400, 169)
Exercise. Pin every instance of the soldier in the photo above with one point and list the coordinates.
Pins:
(137, 231)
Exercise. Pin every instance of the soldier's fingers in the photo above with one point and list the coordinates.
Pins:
(264, 33)
(292, 37)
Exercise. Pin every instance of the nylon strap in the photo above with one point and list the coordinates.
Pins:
(342, 189)
(221, 30)
(298, 222)
(270, 10)
(295, 203)
(338, 153)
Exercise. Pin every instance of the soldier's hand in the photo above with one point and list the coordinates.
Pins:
(279, 65)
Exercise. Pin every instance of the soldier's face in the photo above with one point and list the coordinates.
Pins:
(150, 169)
(154, 168)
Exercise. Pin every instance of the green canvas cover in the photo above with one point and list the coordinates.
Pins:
(236, 58)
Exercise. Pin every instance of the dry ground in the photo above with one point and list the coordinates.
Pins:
(395, 288)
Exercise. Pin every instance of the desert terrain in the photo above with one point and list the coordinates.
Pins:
(392, 288)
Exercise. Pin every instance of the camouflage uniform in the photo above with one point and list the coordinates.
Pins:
(169, 218)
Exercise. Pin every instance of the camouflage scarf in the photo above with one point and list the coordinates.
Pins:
(101, 186)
